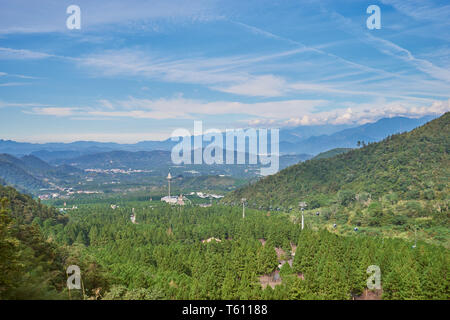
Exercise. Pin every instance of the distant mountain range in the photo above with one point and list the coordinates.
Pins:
(298, 140)
(348, 138)
(31, 174)
(152, 160)
(59, 164)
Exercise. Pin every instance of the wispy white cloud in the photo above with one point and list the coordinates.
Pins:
(24, 16)
(403, 54)
(22, 54)
(137, 63)
(54, 111)
(389, 84)
(319, 49)
(21, 76)
(390, 48)
(239, 75)
(360, 114)
(262, 86)
(354, 114)
(8, 76)
(181, 108)
(422, 10)
(200, 69)
(119, 137)
(280, 113)
(4, 104)
(106, 103)
(13, 84)
(226, 74)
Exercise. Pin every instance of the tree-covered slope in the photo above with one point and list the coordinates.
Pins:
(24, 209)
(30, 266)
(331, 153)
(35, 165)
(29, 174)
(14, 173)
(413, 165)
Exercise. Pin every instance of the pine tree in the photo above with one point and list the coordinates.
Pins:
(228, 289)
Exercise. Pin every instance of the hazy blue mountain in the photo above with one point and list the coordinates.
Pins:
(348, 138)
(300, 133)
(58, 155)
(158, 160)
(56, 151)
(66, 162)
(121, 160)
(25, 148)
(30, 173)
(34, 164)
(13, 172)
(293, 140)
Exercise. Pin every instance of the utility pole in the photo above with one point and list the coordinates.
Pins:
(243, 207)
(302, 206)
(303, 220)
(415, 237)
(82, 288)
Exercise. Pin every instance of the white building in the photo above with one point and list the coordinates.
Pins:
(168, 199)
(174, 200)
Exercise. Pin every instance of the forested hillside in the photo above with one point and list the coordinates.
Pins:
(400, 181)
(16, 175)
(30, 174)
(413, 165)
(32, 266)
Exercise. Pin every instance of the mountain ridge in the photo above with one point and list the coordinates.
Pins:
(293, 140)
(407, 164)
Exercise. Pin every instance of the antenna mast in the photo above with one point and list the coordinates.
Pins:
(169, 177)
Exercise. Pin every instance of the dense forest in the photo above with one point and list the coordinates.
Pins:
(167, 255)
(30, 266)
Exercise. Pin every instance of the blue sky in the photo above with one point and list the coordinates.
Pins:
(137, 70)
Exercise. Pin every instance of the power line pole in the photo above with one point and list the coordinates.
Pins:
(415, 237)
(243, 207)
(303, 220)
(302, 206)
